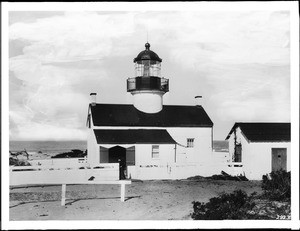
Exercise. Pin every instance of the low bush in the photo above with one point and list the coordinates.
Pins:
(75, 153)
(16, 162)
(222, 176)
(228, 177)
(277, 185)
(274, 203)
(233, 206)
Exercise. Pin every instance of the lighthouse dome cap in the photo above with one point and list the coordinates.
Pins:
(147, 54)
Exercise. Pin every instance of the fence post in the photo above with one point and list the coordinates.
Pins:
(122, 192)
(63, 194)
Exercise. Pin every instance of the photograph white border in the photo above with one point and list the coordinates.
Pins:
(153, 6)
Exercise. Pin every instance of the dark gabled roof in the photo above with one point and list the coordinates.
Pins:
(264, 132)
(169, 116)
(133, 136)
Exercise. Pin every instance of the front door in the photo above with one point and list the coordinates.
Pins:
(278, 159)
(118, 155)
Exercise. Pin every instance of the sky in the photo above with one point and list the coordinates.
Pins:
(238, 61)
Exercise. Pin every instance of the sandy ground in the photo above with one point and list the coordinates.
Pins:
(145, 200)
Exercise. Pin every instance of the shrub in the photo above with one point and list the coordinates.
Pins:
(75, 153)
(277, 185)
(16, 162)
(226, 206)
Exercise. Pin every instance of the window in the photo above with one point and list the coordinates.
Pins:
(190, 142)
(155, 151)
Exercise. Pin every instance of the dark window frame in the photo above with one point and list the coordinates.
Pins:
(155, 151)
(190, 142)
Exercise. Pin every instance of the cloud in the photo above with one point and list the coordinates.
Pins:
(233, 38)
(16, 47)
(59, 65)
(31, 16)
(257, 93)
(239, 62)
(76, 34)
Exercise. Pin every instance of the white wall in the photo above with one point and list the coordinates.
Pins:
(259, 160)
(60, 162)
(93, 155)
(160, 171)
(202, 150)
(201, 153)
(165, 167)
(187, 161)
(148, 101)
(257, 156)
(143, 154)
(220, 157)
(146, 167)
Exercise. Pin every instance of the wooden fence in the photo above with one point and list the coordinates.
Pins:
(174, 171)
(56, 175)
(61, 162)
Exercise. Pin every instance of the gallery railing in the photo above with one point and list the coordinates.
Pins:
(147, 83)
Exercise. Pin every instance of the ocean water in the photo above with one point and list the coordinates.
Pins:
(220, 145)
(56, 147)
(49, 147)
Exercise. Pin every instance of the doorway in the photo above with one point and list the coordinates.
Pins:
(238, 153)
(278, 159)
(117, 154)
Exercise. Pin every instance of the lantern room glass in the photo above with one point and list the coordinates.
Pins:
(148, 68)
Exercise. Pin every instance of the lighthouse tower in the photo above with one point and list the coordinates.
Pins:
(148, 87)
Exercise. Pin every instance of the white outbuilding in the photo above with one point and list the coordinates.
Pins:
(256, 149)
(148, 139)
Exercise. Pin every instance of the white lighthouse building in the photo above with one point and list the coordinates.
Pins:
(149, 139)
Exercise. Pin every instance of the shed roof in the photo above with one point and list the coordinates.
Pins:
(264, 132)
(169, 116)
(133, 136)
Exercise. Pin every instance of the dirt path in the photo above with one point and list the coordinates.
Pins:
(147, 200)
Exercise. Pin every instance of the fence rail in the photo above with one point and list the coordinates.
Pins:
(181, 171)
(73, 162)
(50, 167)
(56, 175)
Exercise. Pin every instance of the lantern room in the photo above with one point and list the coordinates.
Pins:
(147, 73)
(148, 86)
(147, 63)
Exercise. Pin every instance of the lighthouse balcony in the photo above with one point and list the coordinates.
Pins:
(147, 83)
